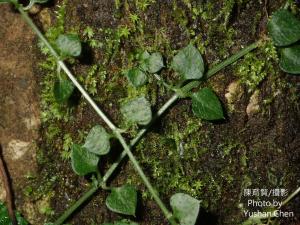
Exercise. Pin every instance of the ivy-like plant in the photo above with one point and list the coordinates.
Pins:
(189, 65)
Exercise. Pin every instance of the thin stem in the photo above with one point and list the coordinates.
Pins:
(290, 197)
(161, 111)
(76, 205)
(37, 31)
(232, 59)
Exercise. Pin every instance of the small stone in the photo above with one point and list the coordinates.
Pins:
(253, 106)
(35, 9)
(17, 149)
(234, 92)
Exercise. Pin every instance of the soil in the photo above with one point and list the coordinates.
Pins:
(257, 146)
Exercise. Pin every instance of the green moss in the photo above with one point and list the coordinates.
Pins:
(255, 67)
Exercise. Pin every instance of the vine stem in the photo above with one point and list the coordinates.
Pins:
(114, 129)
(160, 112)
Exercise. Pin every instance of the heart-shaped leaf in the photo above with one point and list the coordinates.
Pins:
(63, 89)
(122, 200)
(151, 63)
(206, 105)
(188, 63)
(290, 59)
(83, 161)
(137, 77)
(69, 44)
(137, 110)
(121, 222)
(97, 141)
(284, 28)
(185, 208)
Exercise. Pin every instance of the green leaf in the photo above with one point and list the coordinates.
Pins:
(206, 105)
(69, 44)
(121, 222)
(290, 59)
(188, 63)
(144, 60)
(63, 89)
(284, 28)
(137, 77)
(4, 216)
(97, 141)
(151, 62)
(137, 110)
(83, 161)
(122, 200)
(20, 219)
(185, 208)
(5, 219)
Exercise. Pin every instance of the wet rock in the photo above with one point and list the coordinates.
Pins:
(253, 106)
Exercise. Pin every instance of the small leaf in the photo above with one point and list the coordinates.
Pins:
(188, 63)
(144, 60)
(290, 59)
(97, 141)
(63, 89)
(122, 200)
(137, 77)
(83, 161)
(151, 63)
(185, 208)
(69, 44)
(206, 105)
(137, 110)
(284, 28)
